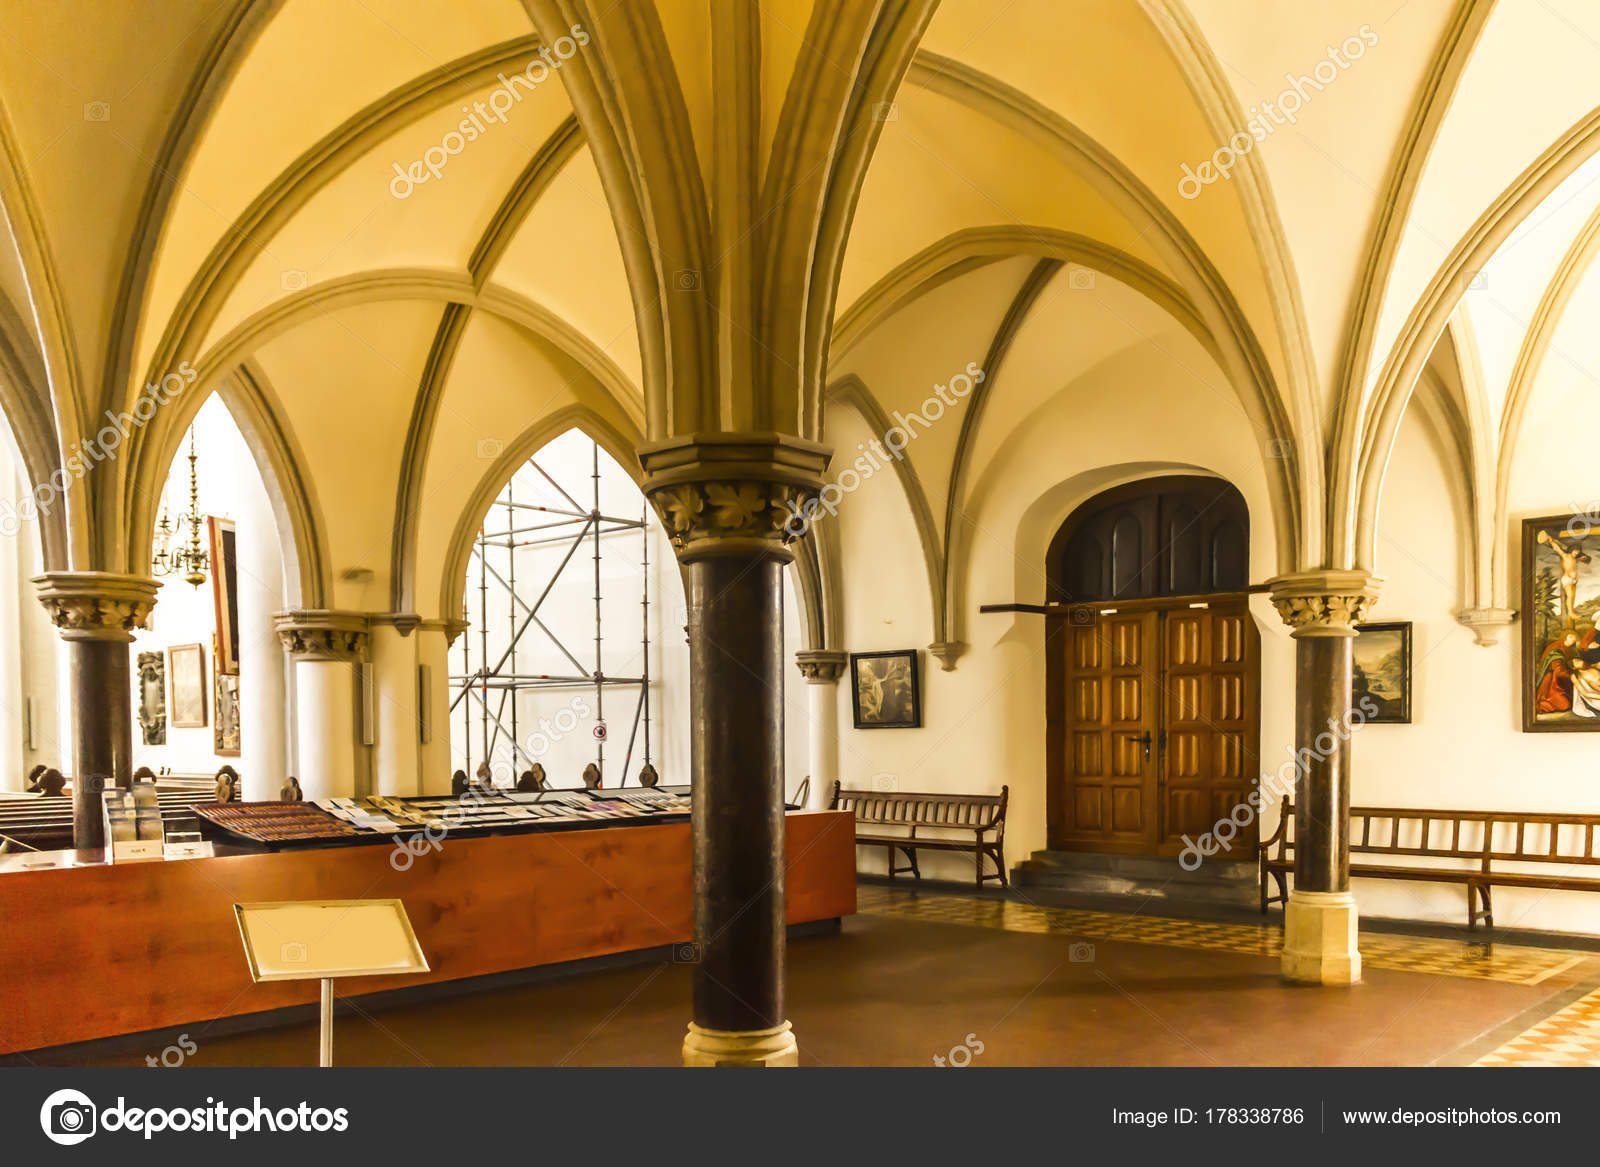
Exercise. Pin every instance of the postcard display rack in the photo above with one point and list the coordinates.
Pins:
(134, 828)
(276, 825)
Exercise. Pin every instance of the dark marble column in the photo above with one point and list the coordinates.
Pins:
(736, 704)
(1320, 921)
(1322, 802)
(96, 614)
(727, 502)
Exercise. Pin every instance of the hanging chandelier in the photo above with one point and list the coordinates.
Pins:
(172, 555)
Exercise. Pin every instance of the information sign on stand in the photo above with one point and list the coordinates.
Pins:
(311, 940)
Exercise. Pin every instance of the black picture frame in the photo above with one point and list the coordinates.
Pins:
(1377, 642)
(1560, 634)
(877, 705)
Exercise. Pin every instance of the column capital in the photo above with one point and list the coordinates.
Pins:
(96, 605)
(1326, 602)
(821, 666)
(732, 493)
(324, 633)
(947, 652)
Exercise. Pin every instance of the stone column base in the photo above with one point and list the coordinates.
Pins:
(768, 1048)
(1319, 938)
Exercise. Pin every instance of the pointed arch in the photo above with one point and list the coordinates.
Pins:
(620, 444)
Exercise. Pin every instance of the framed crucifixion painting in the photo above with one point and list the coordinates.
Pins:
(1561, 624)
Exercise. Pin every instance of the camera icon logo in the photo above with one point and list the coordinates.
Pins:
(97, 111)
(1081, 279)
(489, 449)
(293, 280)
(686, 280)
(293, 952)
(1081, 953)
(68, 1117)
(686, 953)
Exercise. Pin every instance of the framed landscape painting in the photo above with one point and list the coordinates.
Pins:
(1380, 673)
(1560, 625)
(885, 690)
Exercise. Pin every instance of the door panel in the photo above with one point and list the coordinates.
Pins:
(1108, 767)
(1211, 722)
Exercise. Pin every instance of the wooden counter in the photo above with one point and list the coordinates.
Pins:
(89, 952)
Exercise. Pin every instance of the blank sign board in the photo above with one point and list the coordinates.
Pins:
(315, 939)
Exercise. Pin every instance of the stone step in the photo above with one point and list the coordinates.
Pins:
(1138, 877)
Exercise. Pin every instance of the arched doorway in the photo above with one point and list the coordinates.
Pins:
(1153, 668)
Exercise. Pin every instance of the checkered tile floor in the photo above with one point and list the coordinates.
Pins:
(1458, 958)
(1569, 1037)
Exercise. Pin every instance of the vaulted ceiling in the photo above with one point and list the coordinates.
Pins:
(383, 222)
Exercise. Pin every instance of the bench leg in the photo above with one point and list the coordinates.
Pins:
(1281, 878)
(1478, 893)
(890, 852)
(911, 855)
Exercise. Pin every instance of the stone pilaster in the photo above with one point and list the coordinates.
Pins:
(97, 613)
(325, 646)
(1323, 610)
(727, 502)
(822, 669)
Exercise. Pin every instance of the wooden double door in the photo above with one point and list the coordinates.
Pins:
(1153, 725)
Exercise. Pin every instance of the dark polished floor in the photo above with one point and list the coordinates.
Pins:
(893, 989)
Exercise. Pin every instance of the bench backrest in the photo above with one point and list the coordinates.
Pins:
(1509, 836)
(972, 812)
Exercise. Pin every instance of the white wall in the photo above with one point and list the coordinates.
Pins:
(984, 721)
(31, 653)
(229, 488)
(1465, 747)
(1076, 411)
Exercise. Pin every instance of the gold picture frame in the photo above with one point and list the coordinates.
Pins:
(186, 681)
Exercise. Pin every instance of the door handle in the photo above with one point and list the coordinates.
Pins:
(1144, 740)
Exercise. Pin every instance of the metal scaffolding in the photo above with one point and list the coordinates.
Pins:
(571, 526)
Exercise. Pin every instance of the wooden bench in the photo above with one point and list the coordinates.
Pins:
(1482, 837)
(956, 815)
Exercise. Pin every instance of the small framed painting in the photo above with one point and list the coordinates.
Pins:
(224, 593)
(225, 715)
(885, 689)
(1561, 624)
(1380, 674)
(186, 674)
